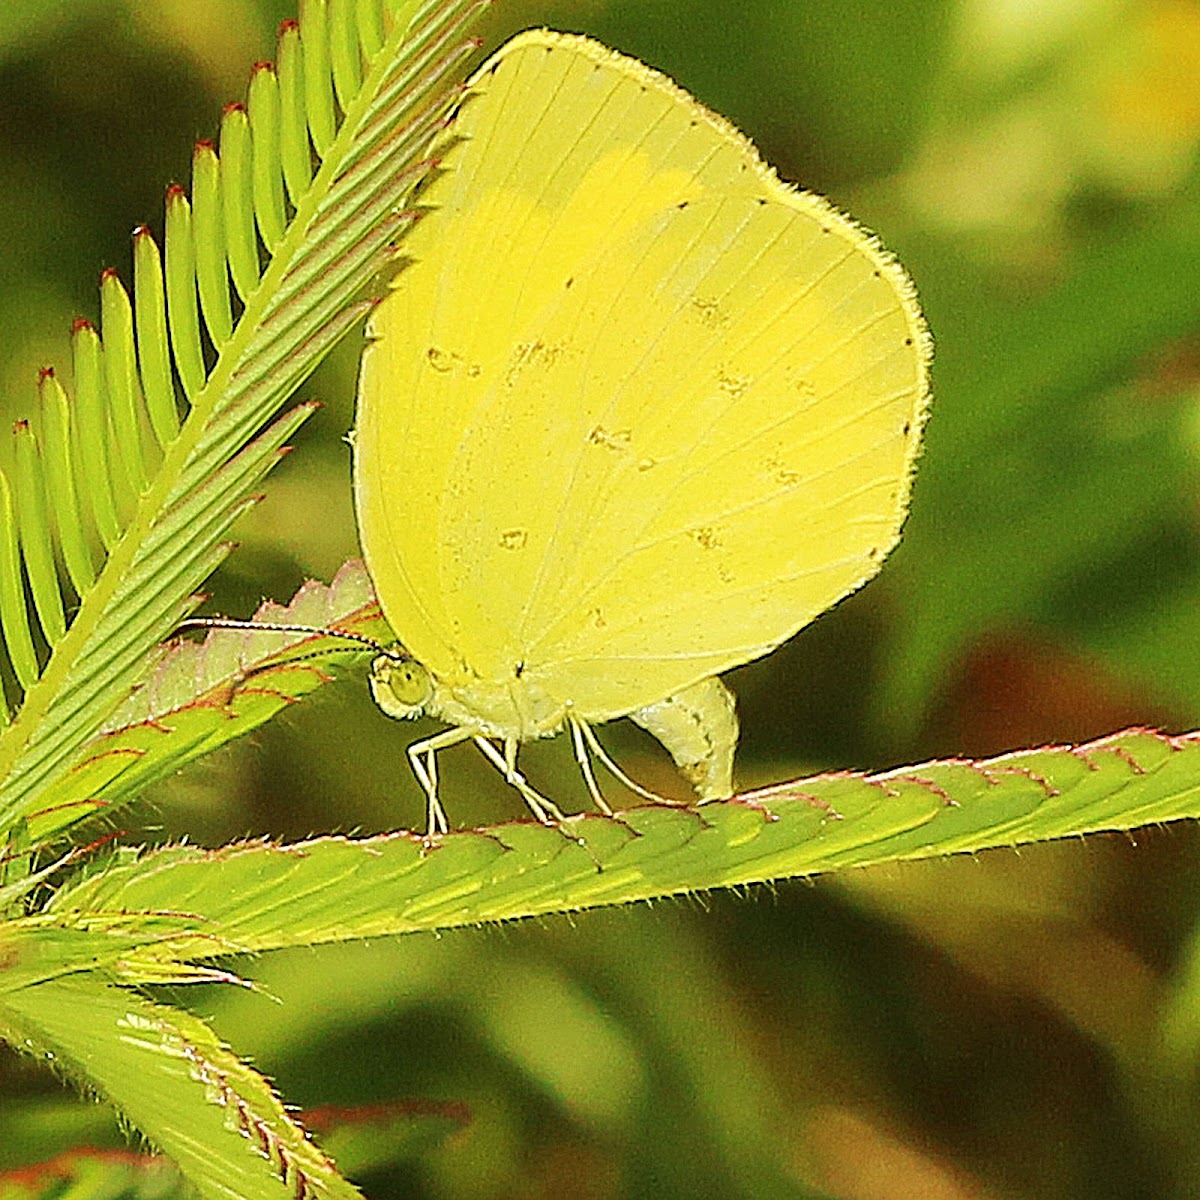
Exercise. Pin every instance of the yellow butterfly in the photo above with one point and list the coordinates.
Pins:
(633, 413)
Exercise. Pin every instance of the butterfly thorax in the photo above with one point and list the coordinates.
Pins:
(514, 707)
(510, 708)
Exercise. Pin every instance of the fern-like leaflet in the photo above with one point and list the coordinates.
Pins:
(119, 494)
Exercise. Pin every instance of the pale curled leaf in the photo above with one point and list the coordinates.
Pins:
(198, 696)
(190, 670)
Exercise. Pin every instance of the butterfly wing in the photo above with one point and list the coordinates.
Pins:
(637, 411)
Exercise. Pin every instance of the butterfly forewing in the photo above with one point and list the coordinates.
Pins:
(636, 411)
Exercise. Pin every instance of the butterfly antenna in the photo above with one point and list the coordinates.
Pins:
(273, 627)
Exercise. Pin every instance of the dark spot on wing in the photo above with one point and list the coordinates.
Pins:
(611, 439)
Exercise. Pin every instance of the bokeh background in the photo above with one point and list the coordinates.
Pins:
(1011, 1025)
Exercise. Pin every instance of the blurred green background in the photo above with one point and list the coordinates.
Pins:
(1016, 1025)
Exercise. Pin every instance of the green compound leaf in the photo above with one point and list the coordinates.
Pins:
(115, 499)
(160, 916)
(261, 896)
(168, 1074)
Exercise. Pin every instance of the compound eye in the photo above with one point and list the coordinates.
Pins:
(400, 686)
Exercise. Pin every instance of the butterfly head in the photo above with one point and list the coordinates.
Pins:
(400, 685)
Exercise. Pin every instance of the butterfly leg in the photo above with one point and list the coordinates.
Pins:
(545, 810)
(580, 732)
(422, 756)
(610, 765)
